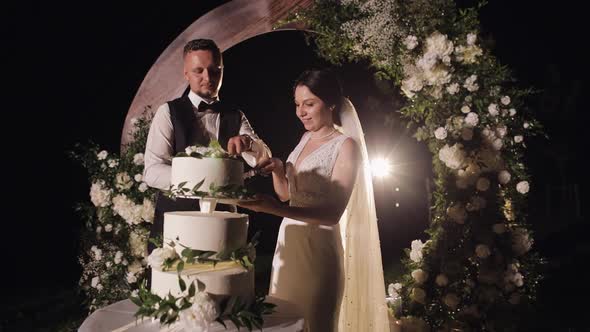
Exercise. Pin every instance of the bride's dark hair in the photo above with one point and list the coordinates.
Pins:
(325, 84)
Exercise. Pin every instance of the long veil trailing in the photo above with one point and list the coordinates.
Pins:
(363, 305)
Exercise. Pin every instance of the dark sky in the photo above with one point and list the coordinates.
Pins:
(74, 70)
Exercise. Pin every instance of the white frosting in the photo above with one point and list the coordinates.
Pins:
(219, 171)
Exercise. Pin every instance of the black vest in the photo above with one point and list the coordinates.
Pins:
(183, 119)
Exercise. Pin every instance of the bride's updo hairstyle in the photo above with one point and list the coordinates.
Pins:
(324, 84)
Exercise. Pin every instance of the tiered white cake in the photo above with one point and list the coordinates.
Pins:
(216, 231)
(217, 171)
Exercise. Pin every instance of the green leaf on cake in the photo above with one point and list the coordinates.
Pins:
(198, 185)
(191, 290)
(180, 267)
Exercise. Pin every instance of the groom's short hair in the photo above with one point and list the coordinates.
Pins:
(204, 45)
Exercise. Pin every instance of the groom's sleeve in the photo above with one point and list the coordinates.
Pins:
(159, 150)
(259, 149)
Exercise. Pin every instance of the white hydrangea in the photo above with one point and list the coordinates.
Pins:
(499, 228)
(471, 119)
(440, 133)
(438, 75)
(416, 251)
(467, 134)
(482, 251)
(493, 109)
(518, 138)
(123, 181)
(159, 255)
(457, 213)
(147, 210)
(393, 289)
(418, 295)
(483, 184)
(102, 155)
(505, 100)
(100, 196)
(465, 109)
(411, 42)
(138, 177)
(143, 187)
(113, 163)
(504, 177)
(441, 280)
(521, 242)
(202, 313)
(129, 211)
(453, 157)
(451, 300)
(138, 159)
(412, 84)
(470, 83)
(439, 44)
(453, 88)
(522, 187)
(468, 54)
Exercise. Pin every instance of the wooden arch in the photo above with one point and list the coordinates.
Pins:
(228, 25)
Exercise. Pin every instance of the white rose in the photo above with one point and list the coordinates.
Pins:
(159, 255)
(512, 112)
(148, 210)
(108, 228)
(526, 125)
(99, 287)
(518, 138)
(393, 289)
(501, 131)
(123, 181)
(457, 213)
(143, 187)
(470, 84)
(442, 280)
(138, 243)
(522, 187)
(471, 38)
(471, 119)
(483, 184)
(416, 252)
(411, 42)
(440, 133)
(99, 195)
(493, 109)
(108, 264)
(102, 155)
(138, 159)
(138, 177)
(201, 314)
(411, 84)
(499, 228)
(113, 163)
(131, 278)
(521, 242)
(466, 134)
(118, 256)
(497, 144)
(453, 157)
(135, 267)
(94, 282)
(438, 44)
(419, 276)
(518, 279)
(135, 293)
(453, 88)
(505, 100)
(482, 251)
(504, 177)
(98, 254)
(451, 300)
(465, 109)
(190, 149)
(418, 295)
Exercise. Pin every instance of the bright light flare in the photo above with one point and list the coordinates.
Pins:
(381, 167)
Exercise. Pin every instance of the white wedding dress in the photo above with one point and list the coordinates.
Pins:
(332, 273)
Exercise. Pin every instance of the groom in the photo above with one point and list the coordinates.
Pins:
(195, 118)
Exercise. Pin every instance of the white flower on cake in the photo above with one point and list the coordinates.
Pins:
(411, 42)
(123, 181)
(113, 163)
(418, 295)
(493, 109)
(453, 88)
(499, 228)
(457, 213)
(522, 187)
(504, 177)
(440, 133)
(451, 300)
(420, 276)
(99, 195)
(470, 84)
(453, 157)
(521, 242)
(416, 252)
(102, 155)
(482, 251)
(138, 159)
(201, 314)
(159, 255)
(441, 280)
(471, 119)
(483, 184)
(505, 100)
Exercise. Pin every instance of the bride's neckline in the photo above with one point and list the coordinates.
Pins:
(306, 140)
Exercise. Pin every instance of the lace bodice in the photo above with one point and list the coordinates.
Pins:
(310, 184)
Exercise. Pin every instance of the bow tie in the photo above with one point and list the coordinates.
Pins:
(204, 107)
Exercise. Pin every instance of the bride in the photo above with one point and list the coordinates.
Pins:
(327, 259)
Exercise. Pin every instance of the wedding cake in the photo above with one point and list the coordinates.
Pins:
(218, 232)
(216, 171)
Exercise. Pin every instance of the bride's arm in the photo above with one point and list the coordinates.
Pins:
(343, 175)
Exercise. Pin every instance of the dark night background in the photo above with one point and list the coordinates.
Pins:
(73, 71)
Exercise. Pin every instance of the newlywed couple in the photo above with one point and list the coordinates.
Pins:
(327, 259)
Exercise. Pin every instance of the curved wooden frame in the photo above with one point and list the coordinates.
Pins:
(229, 25)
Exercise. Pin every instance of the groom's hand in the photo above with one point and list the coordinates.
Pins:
(239, 144)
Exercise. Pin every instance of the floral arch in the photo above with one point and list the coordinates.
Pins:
(477, 270)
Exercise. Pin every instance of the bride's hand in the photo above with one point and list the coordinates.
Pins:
(262, 203)
(272, 165)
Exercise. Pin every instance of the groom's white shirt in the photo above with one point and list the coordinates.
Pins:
(159, 148)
